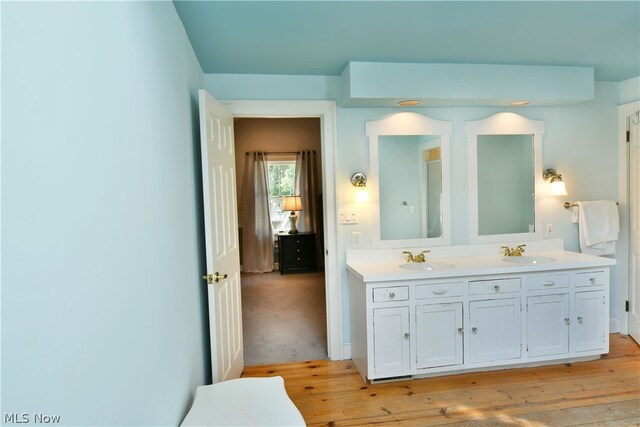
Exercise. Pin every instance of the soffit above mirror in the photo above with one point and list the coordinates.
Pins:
(474, 85)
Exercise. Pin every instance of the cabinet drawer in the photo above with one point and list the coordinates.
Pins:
(546, 281)
(497, 286)
(439, 290)
(396, 293)
(591, 278)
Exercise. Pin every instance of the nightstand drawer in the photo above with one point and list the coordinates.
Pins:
(297, 251)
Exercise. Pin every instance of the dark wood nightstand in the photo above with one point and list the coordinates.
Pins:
(297, 252)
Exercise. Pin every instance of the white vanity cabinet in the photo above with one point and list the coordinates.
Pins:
(438, 335)
(425, 327)
(548, 324)
(588, 331)
(391, 340)
(494, 330)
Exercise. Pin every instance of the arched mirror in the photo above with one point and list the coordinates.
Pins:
(409, 181)
(505, 174)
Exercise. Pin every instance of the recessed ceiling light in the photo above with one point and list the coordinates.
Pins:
(409, 103)
(518, 103)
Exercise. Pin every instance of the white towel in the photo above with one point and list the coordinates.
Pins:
(598, 225)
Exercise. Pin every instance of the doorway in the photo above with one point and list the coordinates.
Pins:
(326, 111)
(284, 315)
(633, 140)
(628, 184)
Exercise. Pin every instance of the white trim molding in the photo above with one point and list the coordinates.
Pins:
(624, 111)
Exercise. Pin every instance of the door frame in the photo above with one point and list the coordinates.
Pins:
(326, 112)
(624, 111)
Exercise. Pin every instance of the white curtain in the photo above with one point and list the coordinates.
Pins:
(308, 187)
(257, 234)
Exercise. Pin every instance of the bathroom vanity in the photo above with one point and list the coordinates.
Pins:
(467, 311)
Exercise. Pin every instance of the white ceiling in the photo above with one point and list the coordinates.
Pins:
(320, 37)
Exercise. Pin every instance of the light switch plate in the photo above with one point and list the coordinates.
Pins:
(348, 217)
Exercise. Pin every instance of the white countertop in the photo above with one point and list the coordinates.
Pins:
(378, 271)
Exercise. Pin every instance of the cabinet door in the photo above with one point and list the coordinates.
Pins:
(391, 340)
(588, 331)
(495, 330)
(548, 324)
(438, 335)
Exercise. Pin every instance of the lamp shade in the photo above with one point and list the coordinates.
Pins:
(558, 188)
(292, 203)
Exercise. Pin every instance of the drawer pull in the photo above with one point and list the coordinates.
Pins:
(579, 319)
(496, 288)
(474, 330)
(392, 294)
(439, 291)
(406, 334)
(549, 283)
(567, 320)
(592, 280)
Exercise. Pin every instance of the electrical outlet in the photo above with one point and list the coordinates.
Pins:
(356, 240)
(548, 231)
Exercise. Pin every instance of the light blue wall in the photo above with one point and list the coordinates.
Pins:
(103, 321)
(580, 142)
(630, 91)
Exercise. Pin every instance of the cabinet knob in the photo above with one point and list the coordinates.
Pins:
(474, 330)
(392, 294)
(592, 280)
(567, 320)
(496, 288)
(406, 334)
(460, 330)
(579, 319)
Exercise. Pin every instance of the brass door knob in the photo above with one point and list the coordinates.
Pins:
(214, 278)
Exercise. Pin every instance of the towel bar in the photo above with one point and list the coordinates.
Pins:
(568, 205)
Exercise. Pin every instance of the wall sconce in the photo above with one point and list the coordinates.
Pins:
(555, 179)
(359, 180)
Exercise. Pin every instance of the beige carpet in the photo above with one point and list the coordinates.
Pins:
(284, 318)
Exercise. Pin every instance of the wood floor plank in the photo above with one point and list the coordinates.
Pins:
(602, 392)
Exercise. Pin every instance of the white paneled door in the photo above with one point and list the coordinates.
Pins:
(221, 238)
(634, 225)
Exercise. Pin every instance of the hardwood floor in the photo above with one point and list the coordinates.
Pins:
(597, 393)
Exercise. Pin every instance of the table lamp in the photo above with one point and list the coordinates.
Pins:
(293, 204)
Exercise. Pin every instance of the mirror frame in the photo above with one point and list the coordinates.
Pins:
(409, 124)
(504, 124)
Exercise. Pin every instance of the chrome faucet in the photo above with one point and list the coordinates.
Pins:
(517, 251)
(421, 257)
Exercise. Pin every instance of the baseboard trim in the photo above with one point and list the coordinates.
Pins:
(614, 326)
(346, 350)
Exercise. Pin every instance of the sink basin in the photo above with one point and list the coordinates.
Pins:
(426, 266)
(529, 259)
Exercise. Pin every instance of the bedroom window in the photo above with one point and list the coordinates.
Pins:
(282, 182)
